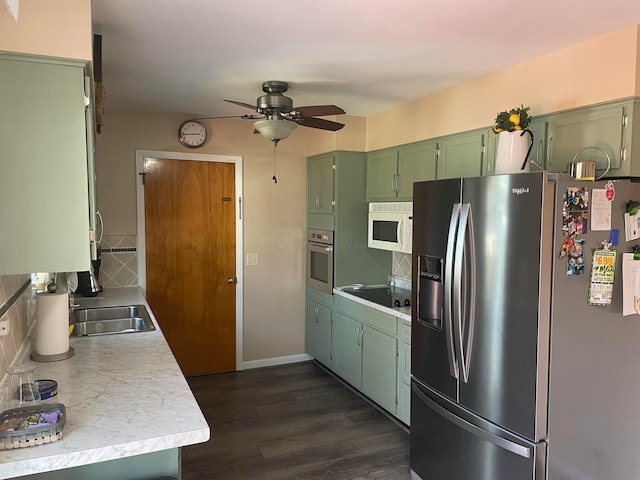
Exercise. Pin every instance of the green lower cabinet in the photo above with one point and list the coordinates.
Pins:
(318, 332)
(379, 367)
(347, 349)
(404, 382)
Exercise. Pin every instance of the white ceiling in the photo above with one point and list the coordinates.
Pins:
(363, 55)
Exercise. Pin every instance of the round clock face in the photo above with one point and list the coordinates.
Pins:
(192, 134)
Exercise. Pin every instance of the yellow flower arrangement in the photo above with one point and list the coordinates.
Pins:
(512, 120)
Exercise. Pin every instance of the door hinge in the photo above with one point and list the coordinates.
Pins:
(333, 203)
(396, 400)
(142, 174)
(397, 352)
(333, 167)
(239, 208)
(92, 235)
(625, 119)
(623, 153)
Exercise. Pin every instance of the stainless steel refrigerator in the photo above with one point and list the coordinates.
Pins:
(514, 375)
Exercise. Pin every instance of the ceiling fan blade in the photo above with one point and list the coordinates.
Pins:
(242, 104)
(319, 110)
(320, 123)
(243, 117)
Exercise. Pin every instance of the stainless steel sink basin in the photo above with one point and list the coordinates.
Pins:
(110, 320)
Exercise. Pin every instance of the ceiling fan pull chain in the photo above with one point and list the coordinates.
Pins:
(275, 160)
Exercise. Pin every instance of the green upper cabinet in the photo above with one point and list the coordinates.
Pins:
(416, 163)
(320, 187)
(382, 173)
(391, 172)
(44, 182)
(538, 156)
(601, 126)
(461, 155)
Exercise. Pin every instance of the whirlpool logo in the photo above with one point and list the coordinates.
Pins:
(520, 191)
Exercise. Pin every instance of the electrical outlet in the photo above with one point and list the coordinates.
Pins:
(4, 327)
(252, 259)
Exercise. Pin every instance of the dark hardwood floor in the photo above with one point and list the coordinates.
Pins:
(292, 422)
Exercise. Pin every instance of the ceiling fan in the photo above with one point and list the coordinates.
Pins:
(281, 117)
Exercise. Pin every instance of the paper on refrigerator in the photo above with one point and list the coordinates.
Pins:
(630, 285)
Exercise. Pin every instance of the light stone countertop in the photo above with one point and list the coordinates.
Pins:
(404, 313)
(124, 395)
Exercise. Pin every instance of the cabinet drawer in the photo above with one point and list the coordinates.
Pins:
(372, 317)
(404, 332)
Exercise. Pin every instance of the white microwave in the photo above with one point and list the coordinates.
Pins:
(391, 226)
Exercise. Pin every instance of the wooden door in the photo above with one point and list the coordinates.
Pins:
(190, 256)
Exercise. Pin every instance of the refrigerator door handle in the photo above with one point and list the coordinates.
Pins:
(471, 428)
(465, 314)
(448, 289)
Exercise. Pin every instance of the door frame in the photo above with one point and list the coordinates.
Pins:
(141, 155)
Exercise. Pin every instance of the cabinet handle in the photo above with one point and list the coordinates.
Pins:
(317, 312)
(397, 184)
(358, 336)
(550, 152)
(362, 336)
(393, 183)
(318, 200)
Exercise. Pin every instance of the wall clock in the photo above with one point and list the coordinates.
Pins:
(192, 134)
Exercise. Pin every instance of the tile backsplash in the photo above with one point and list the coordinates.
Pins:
(401, 265)
(21, 317)
(118, 261)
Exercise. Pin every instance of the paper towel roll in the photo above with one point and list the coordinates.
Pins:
(52, 323)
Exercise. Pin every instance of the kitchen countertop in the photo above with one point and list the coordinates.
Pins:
(404, 313)
(125, 395)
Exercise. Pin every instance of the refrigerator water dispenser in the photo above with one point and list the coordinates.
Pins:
(430, 291)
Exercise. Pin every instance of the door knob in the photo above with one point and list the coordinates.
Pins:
(231, 280)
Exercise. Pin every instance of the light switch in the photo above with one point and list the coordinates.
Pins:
(252, 259)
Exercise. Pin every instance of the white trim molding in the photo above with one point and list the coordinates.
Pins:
(270, 362)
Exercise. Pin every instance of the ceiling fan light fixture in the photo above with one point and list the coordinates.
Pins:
(275, 129)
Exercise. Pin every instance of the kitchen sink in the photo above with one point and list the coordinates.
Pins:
(110, 320)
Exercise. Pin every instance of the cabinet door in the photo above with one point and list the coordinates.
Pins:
(404, 403)
(538, 155)
(415, 164)
(382, 175)
(404, 363)
(601, 127)
(380, 367)
(320, 171)
(461, 155)
(347, 349)
(44, 188)
(318, 332)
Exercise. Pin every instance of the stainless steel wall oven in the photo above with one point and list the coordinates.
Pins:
(320, 260)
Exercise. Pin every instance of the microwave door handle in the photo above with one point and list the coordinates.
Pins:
(400, 231)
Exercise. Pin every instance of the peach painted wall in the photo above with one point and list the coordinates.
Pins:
(598, 70)
(57, 28)
(274, 214)
(351, 138)
(638, 63)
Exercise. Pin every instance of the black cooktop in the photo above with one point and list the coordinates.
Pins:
(392, 297)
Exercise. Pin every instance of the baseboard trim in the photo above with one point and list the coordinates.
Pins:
(270, 362)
